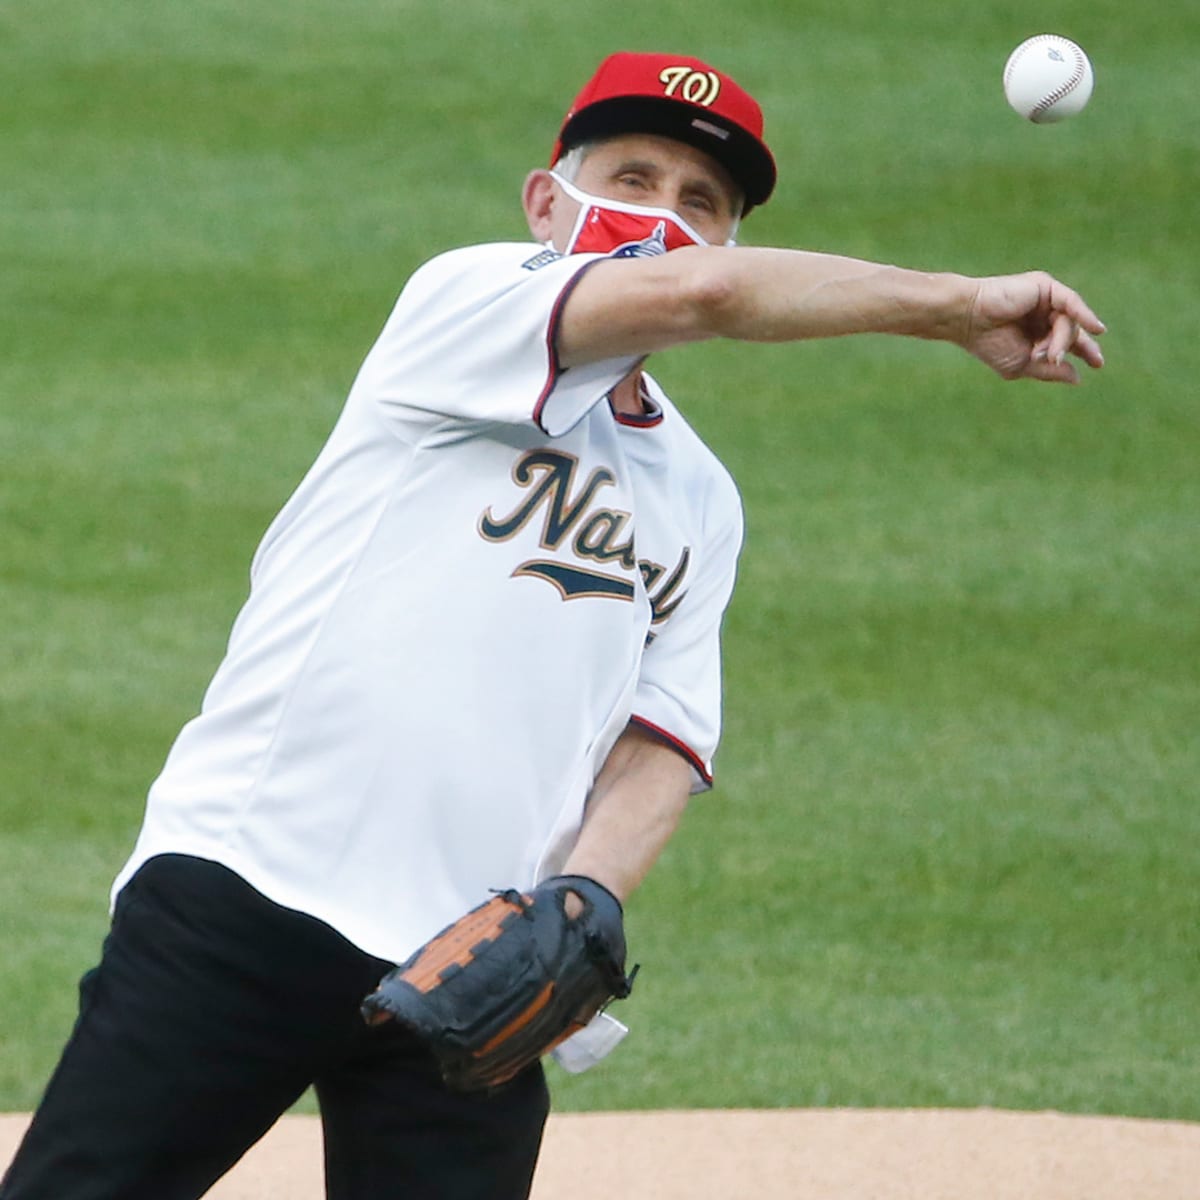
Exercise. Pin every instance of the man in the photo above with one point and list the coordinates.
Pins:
(481, 648)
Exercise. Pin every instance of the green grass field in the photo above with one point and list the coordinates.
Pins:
(952, 858)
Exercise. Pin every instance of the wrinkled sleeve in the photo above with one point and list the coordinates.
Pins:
(472, 339)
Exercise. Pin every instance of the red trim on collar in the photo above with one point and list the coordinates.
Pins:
(644, 420)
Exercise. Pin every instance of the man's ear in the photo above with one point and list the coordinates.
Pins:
(537, 198)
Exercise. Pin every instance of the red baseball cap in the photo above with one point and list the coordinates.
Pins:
(677, 97)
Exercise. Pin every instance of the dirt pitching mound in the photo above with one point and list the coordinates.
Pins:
(835, 1154)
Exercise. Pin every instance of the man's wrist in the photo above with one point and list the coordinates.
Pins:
(940, 306)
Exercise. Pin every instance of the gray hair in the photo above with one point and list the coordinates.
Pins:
(571, 160)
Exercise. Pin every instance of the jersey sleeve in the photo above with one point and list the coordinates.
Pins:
(472, 339)
(678, 696)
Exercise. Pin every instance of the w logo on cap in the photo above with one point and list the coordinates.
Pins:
(686, 83)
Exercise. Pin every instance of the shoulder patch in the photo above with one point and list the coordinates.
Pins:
(540, 260)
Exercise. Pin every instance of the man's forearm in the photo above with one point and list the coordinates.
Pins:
(768, 295)
(633, 810)
(755, 294)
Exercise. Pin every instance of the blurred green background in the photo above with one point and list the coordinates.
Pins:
(952, 857)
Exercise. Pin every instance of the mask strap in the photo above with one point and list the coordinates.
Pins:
(585, 198)
(638, 210)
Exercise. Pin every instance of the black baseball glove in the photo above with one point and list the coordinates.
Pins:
(510, 980)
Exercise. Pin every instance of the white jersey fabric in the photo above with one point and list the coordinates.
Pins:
(484, 576)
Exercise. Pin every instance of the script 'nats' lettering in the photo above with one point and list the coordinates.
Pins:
(664, 601)
(602, 534)
(594, 534)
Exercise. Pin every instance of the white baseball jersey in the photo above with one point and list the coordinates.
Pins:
(484, 576)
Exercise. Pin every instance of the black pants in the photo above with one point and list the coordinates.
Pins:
(211, 1012)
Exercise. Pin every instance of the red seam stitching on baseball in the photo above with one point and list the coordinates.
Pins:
(1063, 89)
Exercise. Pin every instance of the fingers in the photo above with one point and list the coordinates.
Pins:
(1065, 302)
(1067, 336)
(1064, 332)
(1087, 348)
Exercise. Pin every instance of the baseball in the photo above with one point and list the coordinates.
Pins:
(1047, 78)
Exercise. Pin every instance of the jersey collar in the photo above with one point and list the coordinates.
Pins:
(651, 414)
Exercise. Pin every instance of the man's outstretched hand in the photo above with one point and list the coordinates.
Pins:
(1026, 326)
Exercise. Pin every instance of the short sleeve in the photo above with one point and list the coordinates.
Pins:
(472, 339)
(678, 695)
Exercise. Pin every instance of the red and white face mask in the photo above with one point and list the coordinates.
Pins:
(624, 230)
